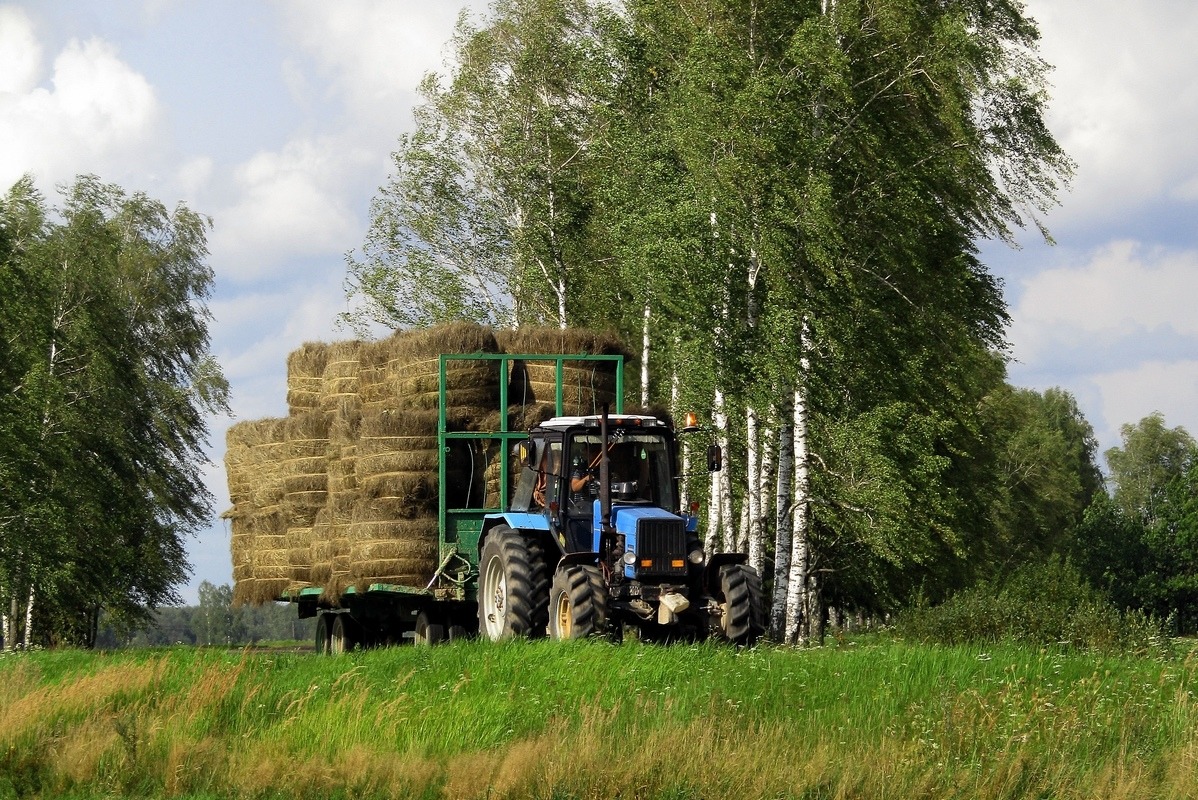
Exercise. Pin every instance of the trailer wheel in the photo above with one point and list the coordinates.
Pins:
(323, 635)
(341, 638)
(512, 596)
(458, 633)
(577, 603)
(427, 632)
(743, 620)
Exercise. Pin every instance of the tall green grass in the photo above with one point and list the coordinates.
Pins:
(517, 720)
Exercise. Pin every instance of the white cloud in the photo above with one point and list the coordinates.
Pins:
(374, 51)
(292, 204)
(1124, 104)
(1121, 290)
(194, 175)
(20, 52)
(1129, 395)
(99, 117)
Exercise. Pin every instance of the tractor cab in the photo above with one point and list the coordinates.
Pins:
(561, 478)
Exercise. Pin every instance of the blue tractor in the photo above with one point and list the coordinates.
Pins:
(595, 542)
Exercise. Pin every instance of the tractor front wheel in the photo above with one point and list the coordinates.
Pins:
(577, 603)
(743, 620)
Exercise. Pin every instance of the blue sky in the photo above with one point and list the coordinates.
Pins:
(277, 119)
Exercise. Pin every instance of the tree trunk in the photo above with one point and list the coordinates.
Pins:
(7, 620)
(719, 512)
(27, 634)
(797, 600)
(783, 523)
(645, 358)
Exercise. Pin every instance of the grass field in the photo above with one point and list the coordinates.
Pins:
(878, 719)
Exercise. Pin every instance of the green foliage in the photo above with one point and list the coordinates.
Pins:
(1151, 456)
(1046, 604)
(106, 384)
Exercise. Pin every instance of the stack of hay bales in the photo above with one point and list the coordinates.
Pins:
(345, 490)
(342, 403)
(261, 523)
(238, 449)
(305, 488)
(393, 531)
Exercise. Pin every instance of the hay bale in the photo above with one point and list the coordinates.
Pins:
(305, 376)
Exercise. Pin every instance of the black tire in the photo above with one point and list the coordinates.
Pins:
(743, 620)
(513, 596)
(323, 635)
(458, 633)
(342, 636)
(428, 632)
(577, 603)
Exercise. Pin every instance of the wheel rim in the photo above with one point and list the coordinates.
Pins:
(494, 598)
(565, 617)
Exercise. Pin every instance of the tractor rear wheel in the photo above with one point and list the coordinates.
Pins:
(513, 595)
(743, 620)
(577, 603)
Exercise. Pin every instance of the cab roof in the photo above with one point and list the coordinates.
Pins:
(613, 421)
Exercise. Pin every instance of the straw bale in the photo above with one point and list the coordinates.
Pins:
(345, 418)
(389, 422)
(411, 487)
(450, 337)
(305, 370)
(420, 461)
(534, 339)
(305, 482)
(308, 361)
(416, 547)
(299, 561)
(371, 510)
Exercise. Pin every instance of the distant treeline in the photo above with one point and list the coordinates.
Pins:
(213, 622)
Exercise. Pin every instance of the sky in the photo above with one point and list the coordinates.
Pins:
(277, 119)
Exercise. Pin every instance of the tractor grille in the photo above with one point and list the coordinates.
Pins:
(663, 543)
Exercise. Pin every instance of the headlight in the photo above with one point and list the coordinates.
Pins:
(696, 557)
(630, 558)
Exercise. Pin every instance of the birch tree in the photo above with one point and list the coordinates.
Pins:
(106, 389)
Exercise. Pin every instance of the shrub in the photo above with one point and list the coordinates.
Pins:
(1040, 604)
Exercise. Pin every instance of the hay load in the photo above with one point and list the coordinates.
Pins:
(345, 490)
(586, 386)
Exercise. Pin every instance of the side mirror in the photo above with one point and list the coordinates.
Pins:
(522, 453)
(715, 458)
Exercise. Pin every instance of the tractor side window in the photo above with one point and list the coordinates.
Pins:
(538, 486)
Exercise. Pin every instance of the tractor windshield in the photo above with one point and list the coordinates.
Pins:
(640, 467)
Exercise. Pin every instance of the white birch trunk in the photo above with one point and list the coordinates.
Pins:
(784, 527)
(27, 633)
(752, 506)
(6, 626)
(757, 526)
(645, 358)
(684, 444)
(719, 511)
(797, 602)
